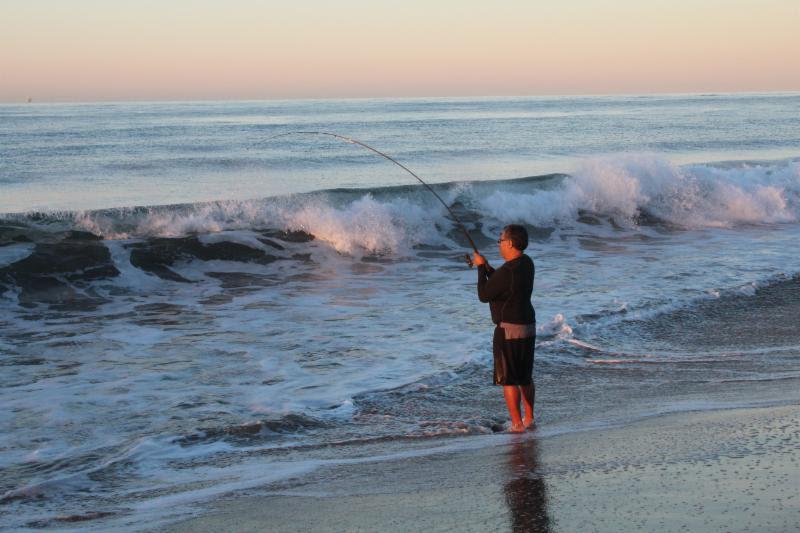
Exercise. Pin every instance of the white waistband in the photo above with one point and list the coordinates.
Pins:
(518, 331)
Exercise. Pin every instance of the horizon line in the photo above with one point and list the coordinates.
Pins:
(28, 100)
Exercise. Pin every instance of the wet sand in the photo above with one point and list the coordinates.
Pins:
(727, 470)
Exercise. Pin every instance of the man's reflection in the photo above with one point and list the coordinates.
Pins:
(525, 491)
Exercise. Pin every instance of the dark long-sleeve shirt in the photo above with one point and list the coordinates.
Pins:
(508, 290)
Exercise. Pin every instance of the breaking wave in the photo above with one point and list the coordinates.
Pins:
(639, 188)
(627, 190)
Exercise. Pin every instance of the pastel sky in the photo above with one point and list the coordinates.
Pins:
(56, 50)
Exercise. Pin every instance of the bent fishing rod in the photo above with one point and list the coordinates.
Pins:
(350, 140)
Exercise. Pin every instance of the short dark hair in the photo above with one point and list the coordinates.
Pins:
(518, 236)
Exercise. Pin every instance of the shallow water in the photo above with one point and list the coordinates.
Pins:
(153, 357)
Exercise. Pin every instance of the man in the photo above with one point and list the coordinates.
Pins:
(508, 290)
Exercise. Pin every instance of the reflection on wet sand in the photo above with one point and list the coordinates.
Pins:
(525, 491)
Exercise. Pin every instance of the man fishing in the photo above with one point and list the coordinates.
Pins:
(508, 290)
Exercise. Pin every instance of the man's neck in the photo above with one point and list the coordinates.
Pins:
(513, 255)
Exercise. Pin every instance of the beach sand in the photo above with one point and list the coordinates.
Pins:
(725, 470)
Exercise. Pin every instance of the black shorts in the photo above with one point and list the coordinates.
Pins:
(513, 359)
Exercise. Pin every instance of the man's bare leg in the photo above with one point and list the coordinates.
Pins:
(528, 395)
(512, 395)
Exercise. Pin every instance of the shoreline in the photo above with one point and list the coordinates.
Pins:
(732, 469)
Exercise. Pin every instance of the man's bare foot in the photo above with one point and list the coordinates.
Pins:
(517, 428)
(529, 422)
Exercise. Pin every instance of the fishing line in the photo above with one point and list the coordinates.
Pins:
(350, 140)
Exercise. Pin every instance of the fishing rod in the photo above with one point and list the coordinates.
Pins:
(350, 140)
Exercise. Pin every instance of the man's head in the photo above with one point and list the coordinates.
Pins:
(517, 236)
(513, 240)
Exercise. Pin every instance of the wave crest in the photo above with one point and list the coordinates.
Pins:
(630, 187)
(365, 224)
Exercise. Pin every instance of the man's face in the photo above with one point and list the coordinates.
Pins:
(504, 244)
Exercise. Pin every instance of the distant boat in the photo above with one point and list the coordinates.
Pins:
(30, 100)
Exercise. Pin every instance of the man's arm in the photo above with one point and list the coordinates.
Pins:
(491, 283)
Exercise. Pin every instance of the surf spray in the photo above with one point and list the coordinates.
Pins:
(350, 140)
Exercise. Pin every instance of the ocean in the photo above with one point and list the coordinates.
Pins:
(190, 309)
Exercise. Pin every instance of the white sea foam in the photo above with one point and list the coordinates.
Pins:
(557, 327)
(365, 224)
(172, 221)
(693, 196)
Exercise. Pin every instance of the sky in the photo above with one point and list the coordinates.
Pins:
(93, 50)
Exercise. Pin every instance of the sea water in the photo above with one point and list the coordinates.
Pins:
(189, 307)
